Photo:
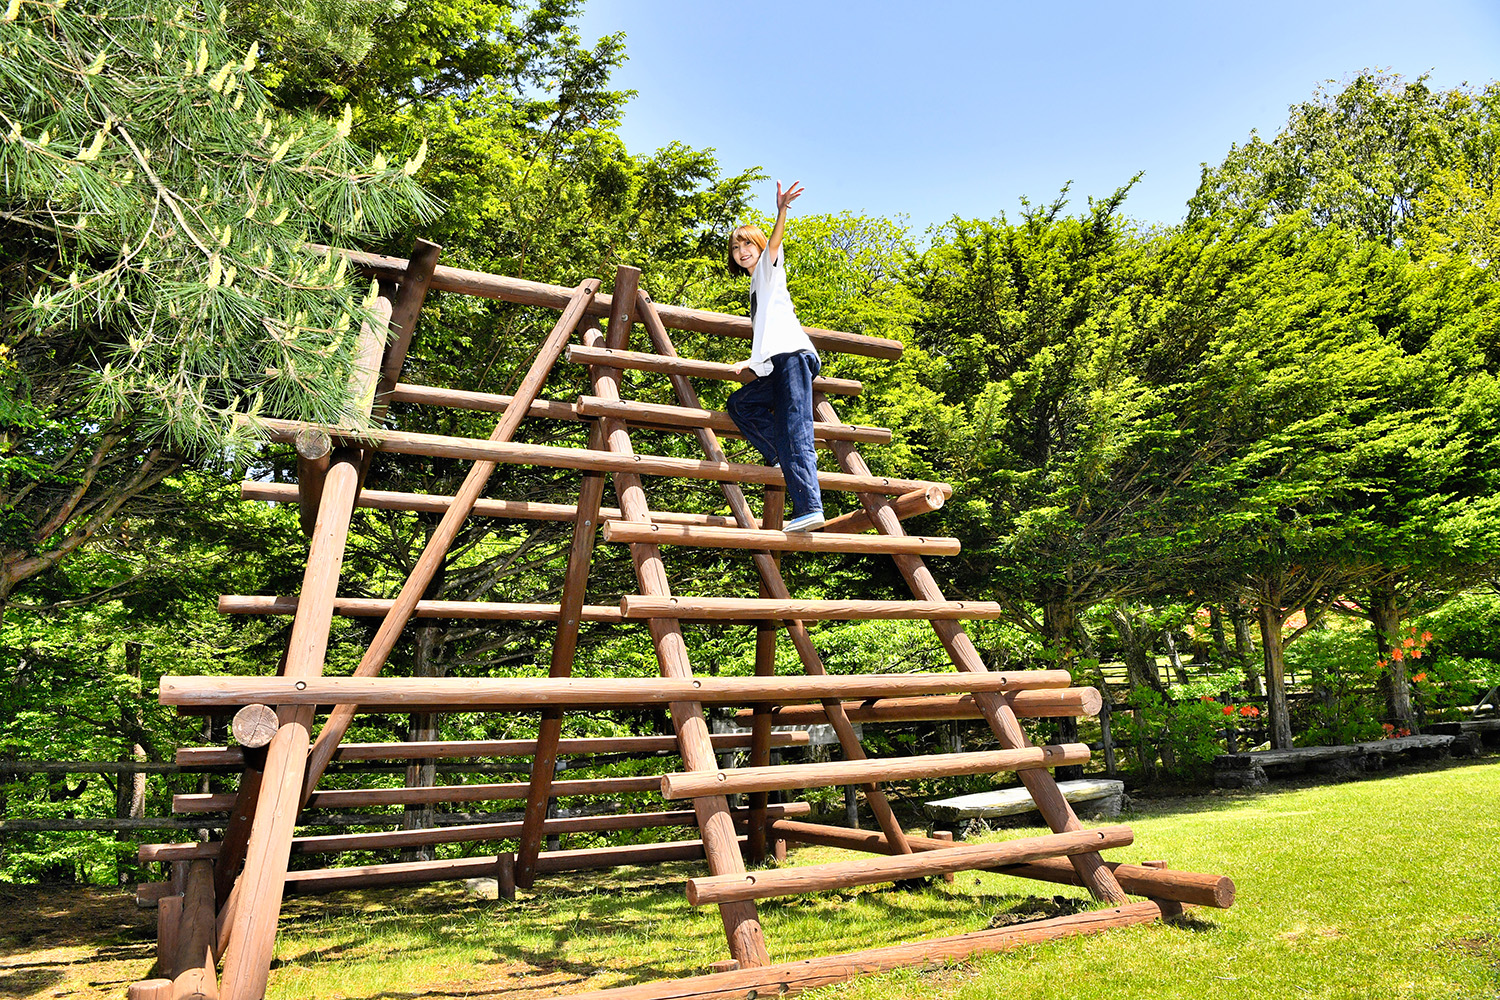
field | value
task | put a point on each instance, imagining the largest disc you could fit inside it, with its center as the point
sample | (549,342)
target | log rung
(470,834)
(583,459)
(644,606)
(692,418)
(642,361)
(778,541)
(869,871)
(418,750)
(411,694)
(822,774)
(348,798)
(1082,702)
(369,607)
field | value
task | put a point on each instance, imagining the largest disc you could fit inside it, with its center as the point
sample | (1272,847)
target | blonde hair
(751,233)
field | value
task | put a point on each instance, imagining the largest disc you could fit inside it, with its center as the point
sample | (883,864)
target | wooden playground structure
(223,898)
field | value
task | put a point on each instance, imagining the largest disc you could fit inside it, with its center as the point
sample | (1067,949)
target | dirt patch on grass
(82,942)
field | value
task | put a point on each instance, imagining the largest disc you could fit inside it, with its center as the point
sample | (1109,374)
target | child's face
(746,253)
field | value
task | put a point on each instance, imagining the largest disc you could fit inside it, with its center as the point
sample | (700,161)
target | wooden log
(348,798)
(168,931)
(564,646)
(769,571)
(742,929)
(777,541)
(473,832)
(590,745)
(693,417)
(548,863)
(197,959)
(415,281)
(536,293)
(788,978)
(823,774)
(947,837)
(521,510)
(642,361)
(254,725)
(956,643)
(582,459)
(774,509)
(482,402)
(410,693)
(904,506)
(367,607)
(1041,704)
(1194,888)
(749,609)
(438,543)
(149,989)
(505,877)
(869,871)
(313,449)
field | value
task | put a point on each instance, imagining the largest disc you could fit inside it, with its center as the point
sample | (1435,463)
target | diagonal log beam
(997,711)
(771,579)
(442,537)
(747,944)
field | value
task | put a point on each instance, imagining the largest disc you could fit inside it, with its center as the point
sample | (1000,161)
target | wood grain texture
(749,608)
(777,541)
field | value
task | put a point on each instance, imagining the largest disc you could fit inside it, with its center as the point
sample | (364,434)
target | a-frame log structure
(222,902)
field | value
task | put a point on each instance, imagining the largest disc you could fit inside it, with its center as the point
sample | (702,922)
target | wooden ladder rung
(869,871)
(752,608)
(780,541)
(423,749)
(822,774)
(371,607)
(348,798)
(1083,702)
(643,361)
(691,418)
(582,459)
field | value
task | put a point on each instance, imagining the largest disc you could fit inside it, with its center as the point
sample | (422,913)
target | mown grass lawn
(1386,887)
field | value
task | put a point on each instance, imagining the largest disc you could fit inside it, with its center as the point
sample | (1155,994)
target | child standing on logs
(775,410)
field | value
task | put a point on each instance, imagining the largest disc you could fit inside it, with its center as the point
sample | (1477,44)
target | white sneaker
(807,522)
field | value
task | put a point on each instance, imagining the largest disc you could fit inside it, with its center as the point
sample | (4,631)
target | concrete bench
(1254,769)
(1092,798)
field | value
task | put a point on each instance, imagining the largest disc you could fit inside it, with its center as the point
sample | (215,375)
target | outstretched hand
(785,198)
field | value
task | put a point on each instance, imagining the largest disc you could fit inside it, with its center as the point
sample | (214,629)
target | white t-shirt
(777,330)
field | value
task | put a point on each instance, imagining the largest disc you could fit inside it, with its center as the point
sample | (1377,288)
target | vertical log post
(193,972)
(772,513)
(770,575)
(575,583)
(1049,800)
(721,847)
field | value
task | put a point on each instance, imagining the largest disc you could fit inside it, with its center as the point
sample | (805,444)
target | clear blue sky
(947,107)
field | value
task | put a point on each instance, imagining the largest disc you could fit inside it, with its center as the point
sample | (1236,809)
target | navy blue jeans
(775,413)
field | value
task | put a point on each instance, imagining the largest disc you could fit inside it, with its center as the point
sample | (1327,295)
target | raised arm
(783,199)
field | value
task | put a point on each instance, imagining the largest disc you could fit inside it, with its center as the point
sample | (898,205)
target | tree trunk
(1385,619)
(1140,658)
(423,727)
(1243,648)
(1280,722)
(1216,629)
(1174,658)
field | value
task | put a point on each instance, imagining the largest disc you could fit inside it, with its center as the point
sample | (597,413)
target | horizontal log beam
(822,774)
(536,293)
(689,417)
(785,979)
(1050,704)
(639,532)
(906,505)
(408,693)
(348,798)
(482,402)
(646,362)
(586,459)
(711,889)
(1194,888)
(472,833)
(548,862)
(419,750)
(638,606)
(372,607)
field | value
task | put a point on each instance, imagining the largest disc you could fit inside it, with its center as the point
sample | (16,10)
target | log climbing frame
(224,898)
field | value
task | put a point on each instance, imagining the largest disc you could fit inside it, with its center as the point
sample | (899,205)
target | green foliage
(1341,664)
(1186,733)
